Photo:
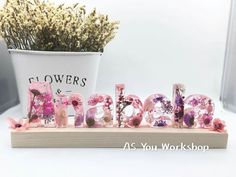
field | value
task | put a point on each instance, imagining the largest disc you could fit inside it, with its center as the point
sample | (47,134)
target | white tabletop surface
(116,162)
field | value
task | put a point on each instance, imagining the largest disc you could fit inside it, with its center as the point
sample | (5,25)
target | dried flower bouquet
(41,25)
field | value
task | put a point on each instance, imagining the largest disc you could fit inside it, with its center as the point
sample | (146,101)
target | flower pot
(66,71)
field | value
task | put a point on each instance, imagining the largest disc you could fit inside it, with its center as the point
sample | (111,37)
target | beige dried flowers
(40,25)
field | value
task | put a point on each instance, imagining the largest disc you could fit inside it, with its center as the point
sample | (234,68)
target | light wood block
(114,137)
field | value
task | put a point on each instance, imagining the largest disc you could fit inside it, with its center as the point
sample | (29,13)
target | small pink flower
(218,125)
(18,125)
(135,121)
(75,100)
(194,102)
(95,99)
(47,97)
(48,110)
(205,121)
(75,103)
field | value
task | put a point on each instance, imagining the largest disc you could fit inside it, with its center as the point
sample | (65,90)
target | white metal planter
(66,71)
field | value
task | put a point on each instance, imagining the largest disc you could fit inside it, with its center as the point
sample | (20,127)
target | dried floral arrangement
(41,25)
(157,110)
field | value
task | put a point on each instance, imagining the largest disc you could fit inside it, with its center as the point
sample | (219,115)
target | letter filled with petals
(178,105)
(129,111)
(99,113)
(157,110)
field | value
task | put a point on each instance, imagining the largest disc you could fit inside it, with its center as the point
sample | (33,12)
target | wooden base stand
(114,137)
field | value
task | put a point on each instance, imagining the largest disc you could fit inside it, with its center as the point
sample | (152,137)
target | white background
(164,41)
(159,42)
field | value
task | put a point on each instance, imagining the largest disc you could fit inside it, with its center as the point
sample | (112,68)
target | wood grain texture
(114,137)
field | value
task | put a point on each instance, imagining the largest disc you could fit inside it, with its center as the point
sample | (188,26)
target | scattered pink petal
(218,125)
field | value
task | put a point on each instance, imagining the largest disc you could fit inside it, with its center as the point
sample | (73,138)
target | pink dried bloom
(205,121)
(75,100)
(18,125)
(95,99)
(48,109)
(135,121)
(218,125)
